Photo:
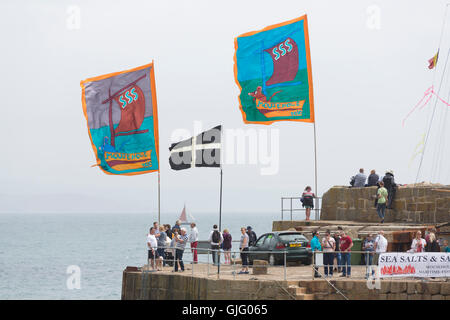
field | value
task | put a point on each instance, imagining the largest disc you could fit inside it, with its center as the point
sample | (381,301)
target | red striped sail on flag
(433,61)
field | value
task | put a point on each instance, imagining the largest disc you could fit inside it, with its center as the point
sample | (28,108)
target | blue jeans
(381,209)
(179,258)
(339,260)
(328,258)
(369,260)
(346,263)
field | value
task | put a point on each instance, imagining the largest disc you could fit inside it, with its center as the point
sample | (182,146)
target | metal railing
(362,269)
(292,208)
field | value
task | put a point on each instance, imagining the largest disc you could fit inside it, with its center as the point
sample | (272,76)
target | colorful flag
(273,71)
(202,150)
(122,119)
(433,61)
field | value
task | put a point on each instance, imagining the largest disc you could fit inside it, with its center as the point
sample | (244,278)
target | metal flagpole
(220,203)
(315,167)
(159,198)
(220,221)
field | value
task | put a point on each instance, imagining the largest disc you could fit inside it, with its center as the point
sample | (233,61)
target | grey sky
(365,82)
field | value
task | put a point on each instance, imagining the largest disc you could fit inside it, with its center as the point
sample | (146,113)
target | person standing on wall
(382,195)
(162,238)
(307,200)
(243,248)
(315,246)
(226,245)
(193,240)
(369,248)
(215,239)
(418,244)
(251,236)
(328,245)
(391,187)
(152,244)
(337,254)
(346,244)
(179,249)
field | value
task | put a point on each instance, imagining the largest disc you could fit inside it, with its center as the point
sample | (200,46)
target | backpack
(216,236)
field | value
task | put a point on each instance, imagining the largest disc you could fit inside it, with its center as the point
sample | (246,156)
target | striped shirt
(182,245)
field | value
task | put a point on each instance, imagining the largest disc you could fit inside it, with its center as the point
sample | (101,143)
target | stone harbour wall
(138,285)
(420,204)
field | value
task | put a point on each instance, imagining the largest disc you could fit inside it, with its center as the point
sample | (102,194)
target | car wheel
(272,260)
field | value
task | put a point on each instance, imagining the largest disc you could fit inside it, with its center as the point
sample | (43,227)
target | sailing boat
(131,100)
(183,217)
(285,62)
(285,59)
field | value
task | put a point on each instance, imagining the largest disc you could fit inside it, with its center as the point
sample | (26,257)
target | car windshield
(291,237)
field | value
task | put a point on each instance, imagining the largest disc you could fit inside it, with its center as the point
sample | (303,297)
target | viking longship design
(131,101)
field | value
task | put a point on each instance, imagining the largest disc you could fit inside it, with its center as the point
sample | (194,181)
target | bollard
(207,270)
(313,263)
(233,267)
(284,265)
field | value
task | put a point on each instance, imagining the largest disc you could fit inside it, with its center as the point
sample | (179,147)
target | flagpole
(315,166)
(220,207)
(159,198)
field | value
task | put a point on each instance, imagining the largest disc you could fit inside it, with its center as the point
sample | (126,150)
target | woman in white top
(418,244)
(328,247)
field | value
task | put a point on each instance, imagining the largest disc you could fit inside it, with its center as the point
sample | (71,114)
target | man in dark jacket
(373,179)
(251,236)
(391,186)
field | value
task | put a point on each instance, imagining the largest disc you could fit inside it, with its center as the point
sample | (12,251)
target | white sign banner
(420,265)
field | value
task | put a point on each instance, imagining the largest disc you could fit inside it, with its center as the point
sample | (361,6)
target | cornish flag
(200,151)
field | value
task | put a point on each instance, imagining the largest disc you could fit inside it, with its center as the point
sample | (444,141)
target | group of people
(337,248)
(385,192)
(160,238)
(428,244)
(165,243)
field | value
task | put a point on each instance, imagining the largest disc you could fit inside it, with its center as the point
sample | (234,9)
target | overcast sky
(369,65)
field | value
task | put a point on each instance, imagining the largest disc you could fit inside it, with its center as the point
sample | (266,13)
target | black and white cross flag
(202,150)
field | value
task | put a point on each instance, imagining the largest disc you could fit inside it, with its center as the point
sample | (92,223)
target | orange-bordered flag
(122,119)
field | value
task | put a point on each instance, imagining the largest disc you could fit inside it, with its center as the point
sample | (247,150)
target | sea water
(40,252)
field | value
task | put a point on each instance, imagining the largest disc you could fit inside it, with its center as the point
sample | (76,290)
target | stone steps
(300,293)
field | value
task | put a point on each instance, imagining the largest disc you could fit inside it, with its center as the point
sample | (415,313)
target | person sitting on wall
(372,181)
(360,179)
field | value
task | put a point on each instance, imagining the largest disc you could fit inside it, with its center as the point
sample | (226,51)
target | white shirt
(416,244)
(382,243)
(193,236)
(210,238)
(152,240)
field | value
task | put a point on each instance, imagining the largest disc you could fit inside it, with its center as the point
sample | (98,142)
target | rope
(434,77)
(432,116)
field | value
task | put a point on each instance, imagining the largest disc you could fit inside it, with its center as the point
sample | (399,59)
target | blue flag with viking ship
(122,119)
(273,71)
